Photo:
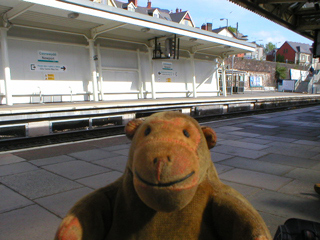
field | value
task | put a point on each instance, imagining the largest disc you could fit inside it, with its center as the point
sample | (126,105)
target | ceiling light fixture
(73,15)
(145,29)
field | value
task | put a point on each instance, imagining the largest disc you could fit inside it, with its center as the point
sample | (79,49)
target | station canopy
(83,19)
(300,16)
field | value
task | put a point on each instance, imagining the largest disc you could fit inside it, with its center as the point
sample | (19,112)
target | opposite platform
(272,159)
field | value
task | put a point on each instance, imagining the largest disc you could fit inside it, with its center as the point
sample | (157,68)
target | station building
(79,50)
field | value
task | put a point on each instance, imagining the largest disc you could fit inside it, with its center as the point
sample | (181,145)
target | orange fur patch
(70,229)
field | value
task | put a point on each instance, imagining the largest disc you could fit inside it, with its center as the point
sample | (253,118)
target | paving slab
(242,152)
(32,222)
(222,168)
(290,145)
(61,203)
(294,152)
(286,206)
(124,152)
(20,167)
(118,163)
(243,189)
(240,144)
(305,142)
(245,134)
(8,158)
(227,136)
(272,221)
(216,157)
(301,189)
(10,200)
(255,140)
(116,147)
(277,139)
(92,155)
(76,169)
(289,160)
(259,166)
(52,160)
(305,175)
(255,179)
(39,183)
(100,180)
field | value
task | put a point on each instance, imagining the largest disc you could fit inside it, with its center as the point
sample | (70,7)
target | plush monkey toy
(169,190)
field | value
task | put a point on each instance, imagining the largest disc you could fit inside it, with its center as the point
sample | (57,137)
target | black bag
(298,229)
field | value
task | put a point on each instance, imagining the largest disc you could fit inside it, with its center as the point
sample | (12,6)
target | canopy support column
(6,65)
(153,92)
(223,78)
(93,70)
(100,72)
(193,73)
(140,84)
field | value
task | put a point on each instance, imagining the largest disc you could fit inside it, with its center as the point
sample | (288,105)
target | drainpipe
(6,65)
(93,70)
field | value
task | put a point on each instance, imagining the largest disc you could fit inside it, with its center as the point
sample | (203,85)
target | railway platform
(273,159)
(34,120)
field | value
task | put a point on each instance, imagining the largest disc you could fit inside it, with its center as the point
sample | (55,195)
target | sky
(257,28)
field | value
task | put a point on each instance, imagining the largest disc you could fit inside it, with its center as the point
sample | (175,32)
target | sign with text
(45,56)
(48,68)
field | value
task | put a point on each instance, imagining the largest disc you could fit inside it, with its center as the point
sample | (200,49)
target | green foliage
(232,29)
(269,47)
(280,58)
(281,72)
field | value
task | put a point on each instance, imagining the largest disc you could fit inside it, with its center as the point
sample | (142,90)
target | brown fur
(170,190)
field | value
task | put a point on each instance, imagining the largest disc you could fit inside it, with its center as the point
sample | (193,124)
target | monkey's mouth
(164,184)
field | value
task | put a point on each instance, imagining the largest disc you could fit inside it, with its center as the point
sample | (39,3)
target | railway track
(80,135)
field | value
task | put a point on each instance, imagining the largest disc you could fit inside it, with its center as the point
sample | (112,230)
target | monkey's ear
(210,135)
(132,127)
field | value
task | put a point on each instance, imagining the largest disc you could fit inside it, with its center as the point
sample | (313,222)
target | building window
(303,58)
(156,15)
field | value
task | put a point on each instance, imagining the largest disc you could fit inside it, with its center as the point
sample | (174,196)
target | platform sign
(255,81)
(46,56)
(47,67)
(166,72)
(49,76)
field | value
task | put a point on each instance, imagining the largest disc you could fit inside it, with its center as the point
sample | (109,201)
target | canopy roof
(300,16)
(94,20)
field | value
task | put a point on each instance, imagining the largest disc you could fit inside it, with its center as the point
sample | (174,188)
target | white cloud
(274,37)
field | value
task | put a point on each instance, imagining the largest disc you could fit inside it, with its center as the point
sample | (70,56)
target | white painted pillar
(140,85)
(100,72)
(193,73)
(93,70)
(6,65)
(153,91)
(223,77)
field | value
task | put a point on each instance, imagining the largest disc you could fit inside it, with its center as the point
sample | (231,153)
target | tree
(232,29)
(281,72)
(269,47)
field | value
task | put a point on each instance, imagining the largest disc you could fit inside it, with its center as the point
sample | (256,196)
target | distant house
(179,16)
(298,53)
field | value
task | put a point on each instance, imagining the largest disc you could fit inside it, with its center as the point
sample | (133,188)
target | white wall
(77,77)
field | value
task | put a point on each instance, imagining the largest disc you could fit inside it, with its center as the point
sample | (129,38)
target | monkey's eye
(147,131)
(186,133)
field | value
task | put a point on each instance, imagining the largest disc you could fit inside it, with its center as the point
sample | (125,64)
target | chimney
(149,4)
(177,10)
(135,2)
(204,27)
(180,10)
(209,27)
